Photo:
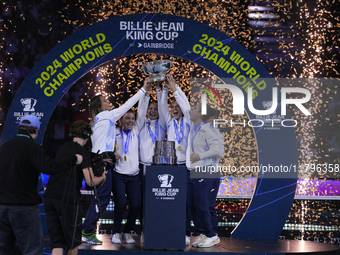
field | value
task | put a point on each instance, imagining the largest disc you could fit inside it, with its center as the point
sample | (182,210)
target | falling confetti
(292,39)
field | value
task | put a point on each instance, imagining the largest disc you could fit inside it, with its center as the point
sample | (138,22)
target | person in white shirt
(202,154)
(125,179)
(177,120)
(209,118)
(103,140)
(152,130)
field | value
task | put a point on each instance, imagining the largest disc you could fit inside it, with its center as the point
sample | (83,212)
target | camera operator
(62,195)
(22,161)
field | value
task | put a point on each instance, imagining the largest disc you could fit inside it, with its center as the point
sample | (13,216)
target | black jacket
(21,162)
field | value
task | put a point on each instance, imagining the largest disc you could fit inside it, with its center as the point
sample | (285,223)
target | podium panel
(165,207)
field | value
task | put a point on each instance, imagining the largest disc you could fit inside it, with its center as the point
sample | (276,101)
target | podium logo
(166,191)
(267,105)
(165,180)
(28,104)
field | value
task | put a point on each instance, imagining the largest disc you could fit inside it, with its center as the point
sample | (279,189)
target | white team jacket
(206,144)
(146,144)
(103,126)
(169,122)
(220,138)
(128,163)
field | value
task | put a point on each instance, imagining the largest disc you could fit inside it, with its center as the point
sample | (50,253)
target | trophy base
(164,160)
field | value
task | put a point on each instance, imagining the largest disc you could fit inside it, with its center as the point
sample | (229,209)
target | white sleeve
(182,94)
(220,138)
(182,101)
(159,94)
(188,152)
(161,117)
(164,108)
(141,111)
(116,114)
(213,144)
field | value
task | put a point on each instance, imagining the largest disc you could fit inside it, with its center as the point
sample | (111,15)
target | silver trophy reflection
(157,69)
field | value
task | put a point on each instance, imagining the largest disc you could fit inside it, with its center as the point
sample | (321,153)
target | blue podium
(165,207)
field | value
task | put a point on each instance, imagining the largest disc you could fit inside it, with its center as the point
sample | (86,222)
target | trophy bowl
(157,69)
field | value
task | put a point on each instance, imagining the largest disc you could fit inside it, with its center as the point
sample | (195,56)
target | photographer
(22,161)
(62,195)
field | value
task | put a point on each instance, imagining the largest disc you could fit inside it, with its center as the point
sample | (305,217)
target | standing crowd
(123,151)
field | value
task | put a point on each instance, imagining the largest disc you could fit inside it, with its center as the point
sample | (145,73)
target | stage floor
(227,246)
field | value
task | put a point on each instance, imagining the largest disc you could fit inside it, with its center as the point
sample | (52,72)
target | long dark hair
(95,106)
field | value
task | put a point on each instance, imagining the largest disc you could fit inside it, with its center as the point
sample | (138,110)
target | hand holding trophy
(148,86)
(170,82)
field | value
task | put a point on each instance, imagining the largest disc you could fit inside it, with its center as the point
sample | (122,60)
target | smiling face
(128,120)
(152,112)
(176,111)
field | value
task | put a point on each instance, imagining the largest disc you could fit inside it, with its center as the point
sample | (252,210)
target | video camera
(99,164)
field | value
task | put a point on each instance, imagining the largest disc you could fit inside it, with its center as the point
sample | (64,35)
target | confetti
(308,36)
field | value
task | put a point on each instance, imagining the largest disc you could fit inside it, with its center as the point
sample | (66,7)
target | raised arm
(180,97)
(160,96)
(164,107)
(116,114)
(182,101)
(184,97)
(143,107)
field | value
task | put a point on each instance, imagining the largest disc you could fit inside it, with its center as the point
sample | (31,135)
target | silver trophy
(164,153)
(157,69)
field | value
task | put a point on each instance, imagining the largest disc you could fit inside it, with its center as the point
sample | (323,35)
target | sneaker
(142,238)
(128,238)
(90,238)
(199,239)
(209,241)
(187,240)
(115,238)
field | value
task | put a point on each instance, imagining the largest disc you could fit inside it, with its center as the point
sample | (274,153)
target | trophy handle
(171,179)
(140,65)
(172,61)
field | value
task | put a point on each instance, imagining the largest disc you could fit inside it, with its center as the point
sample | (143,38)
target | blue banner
(185,38)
